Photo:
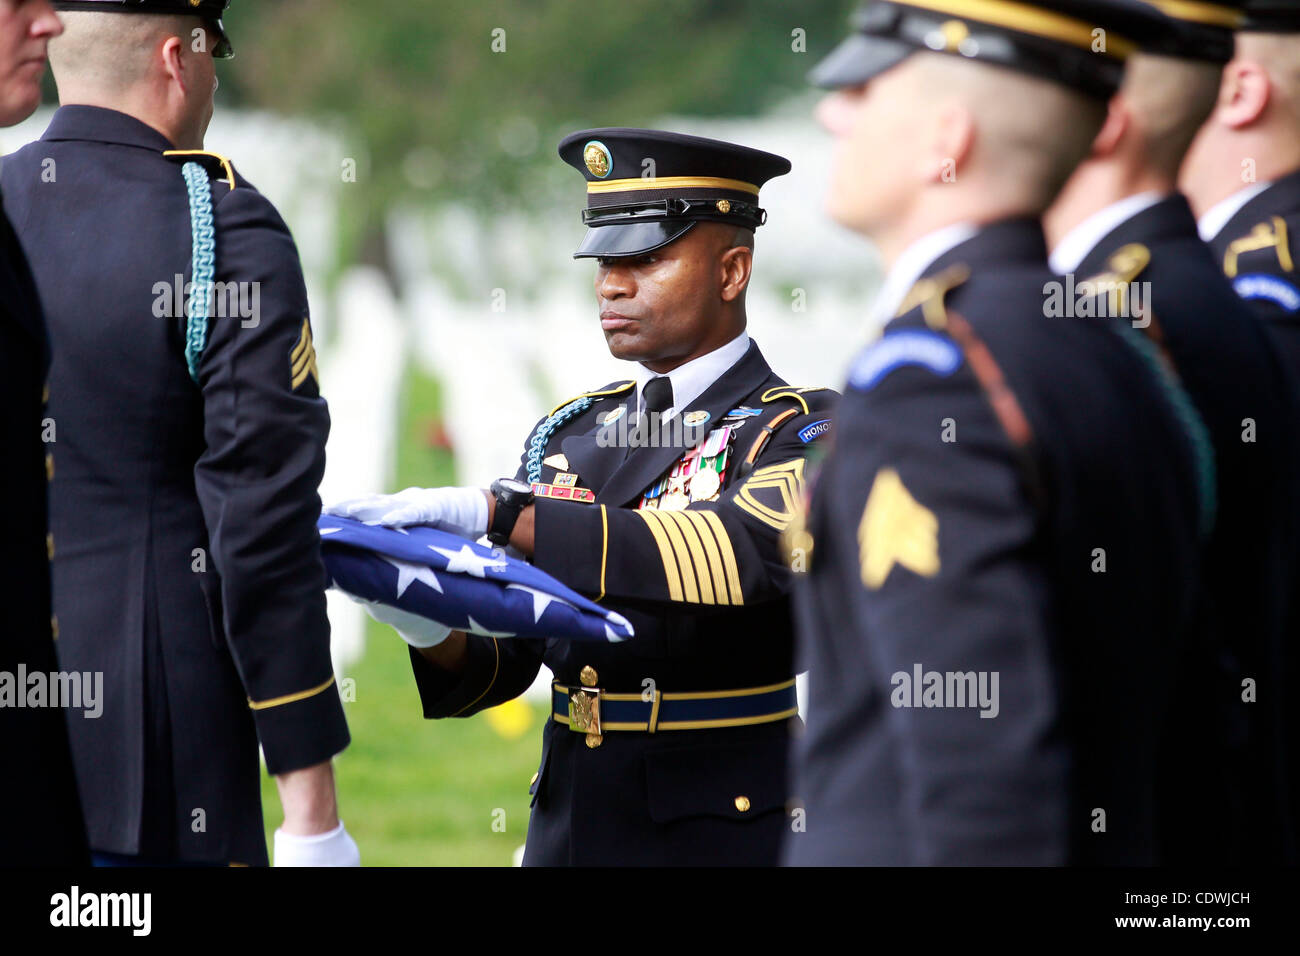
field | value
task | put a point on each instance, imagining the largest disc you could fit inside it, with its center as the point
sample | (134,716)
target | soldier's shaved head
(1169,98)
(1150,125)
(1030,132)
(155,67)
(1253,132)
(939,139)
(112,51)
(1279,55)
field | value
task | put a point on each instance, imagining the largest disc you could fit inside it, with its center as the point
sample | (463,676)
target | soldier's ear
(1118,119)
(1243,94)
(736,265)
(171,53)
(949,144)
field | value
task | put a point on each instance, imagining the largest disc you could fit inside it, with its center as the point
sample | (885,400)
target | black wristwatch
(512,497)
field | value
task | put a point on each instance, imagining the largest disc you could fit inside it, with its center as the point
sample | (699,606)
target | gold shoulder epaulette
(1265,235)
(616,389)
(929,294)
(214,162)
(1125,265)
(786,391)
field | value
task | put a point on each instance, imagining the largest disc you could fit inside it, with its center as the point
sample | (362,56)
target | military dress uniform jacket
(187,566)
(1225,753)
(706,590)
(40,815)
(1257,250)
(1008,495)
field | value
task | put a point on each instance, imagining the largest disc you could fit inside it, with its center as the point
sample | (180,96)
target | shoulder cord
(1193,425)
(1006,407)
(745,467)
(537,446)
(204,246)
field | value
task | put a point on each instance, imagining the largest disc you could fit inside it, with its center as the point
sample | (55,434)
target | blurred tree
(464,98)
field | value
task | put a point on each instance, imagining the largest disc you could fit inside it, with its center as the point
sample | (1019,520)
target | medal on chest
(698,476)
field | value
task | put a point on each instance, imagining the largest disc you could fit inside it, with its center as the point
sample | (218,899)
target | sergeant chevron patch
(699,561)
(772,493)
(302,358)
(896,529)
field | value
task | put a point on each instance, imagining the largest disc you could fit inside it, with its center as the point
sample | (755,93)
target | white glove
(462,510)
(415,630)
(336,848)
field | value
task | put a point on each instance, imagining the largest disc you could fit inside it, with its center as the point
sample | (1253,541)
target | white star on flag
(465,561)
(541,600)
(325,531)
(407,572)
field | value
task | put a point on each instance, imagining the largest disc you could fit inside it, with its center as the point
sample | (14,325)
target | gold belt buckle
(584,710)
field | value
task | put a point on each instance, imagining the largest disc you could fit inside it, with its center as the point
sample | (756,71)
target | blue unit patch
(909,347)
(815,430)
(1261,285)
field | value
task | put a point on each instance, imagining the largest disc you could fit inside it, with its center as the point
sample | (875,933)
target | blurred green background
(467,99)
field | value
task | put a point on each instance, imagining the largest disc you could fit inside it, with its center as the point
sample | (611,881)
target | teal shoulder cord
(537,447)
(204,245)
(1190,418)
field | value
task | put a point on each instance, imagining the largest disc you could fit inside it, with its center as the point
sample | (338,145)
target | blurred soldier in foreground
(40,817)
(1242,173)
(189,449)
(664,498)
(1119,222)
(1005,533)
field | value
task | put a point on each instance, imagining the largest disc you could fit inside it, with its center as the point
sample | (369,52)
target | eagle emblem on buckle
(584,711)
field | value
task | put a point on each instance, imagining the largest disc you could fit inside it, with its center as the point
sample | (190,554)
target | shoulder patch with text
(1261,285)
(936,352)
(814,431)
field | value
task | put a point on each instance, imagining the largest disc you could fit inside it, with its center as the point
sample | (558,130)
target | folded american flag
(444,577)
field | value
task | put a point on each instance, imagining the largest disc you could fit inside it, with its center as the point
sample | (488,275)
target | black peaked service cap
(209,10)
(1081,44)
(646,187)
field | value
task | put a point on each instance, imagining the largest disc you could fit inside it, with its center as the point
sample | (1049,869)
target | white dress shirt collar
(1083,238)
(691,379)
(1217,216)
(909,267)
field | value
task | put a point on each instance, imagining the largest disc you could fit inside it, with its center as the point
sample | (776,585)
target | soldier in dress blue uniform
(1242,174)
(1005,534)
(40,815)
(669,748)
(190,442)
(1120,223)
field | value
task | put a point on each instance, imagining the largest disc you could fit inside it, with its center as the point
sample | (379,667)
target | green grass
(418,792)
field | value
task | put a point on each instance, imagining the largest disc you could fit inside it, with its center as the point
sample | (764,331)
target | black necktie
(658,396)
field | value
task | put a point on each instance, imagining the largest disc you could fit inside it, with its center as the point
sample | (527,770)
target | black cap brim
(857,60)
(224,49)
(631,238)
